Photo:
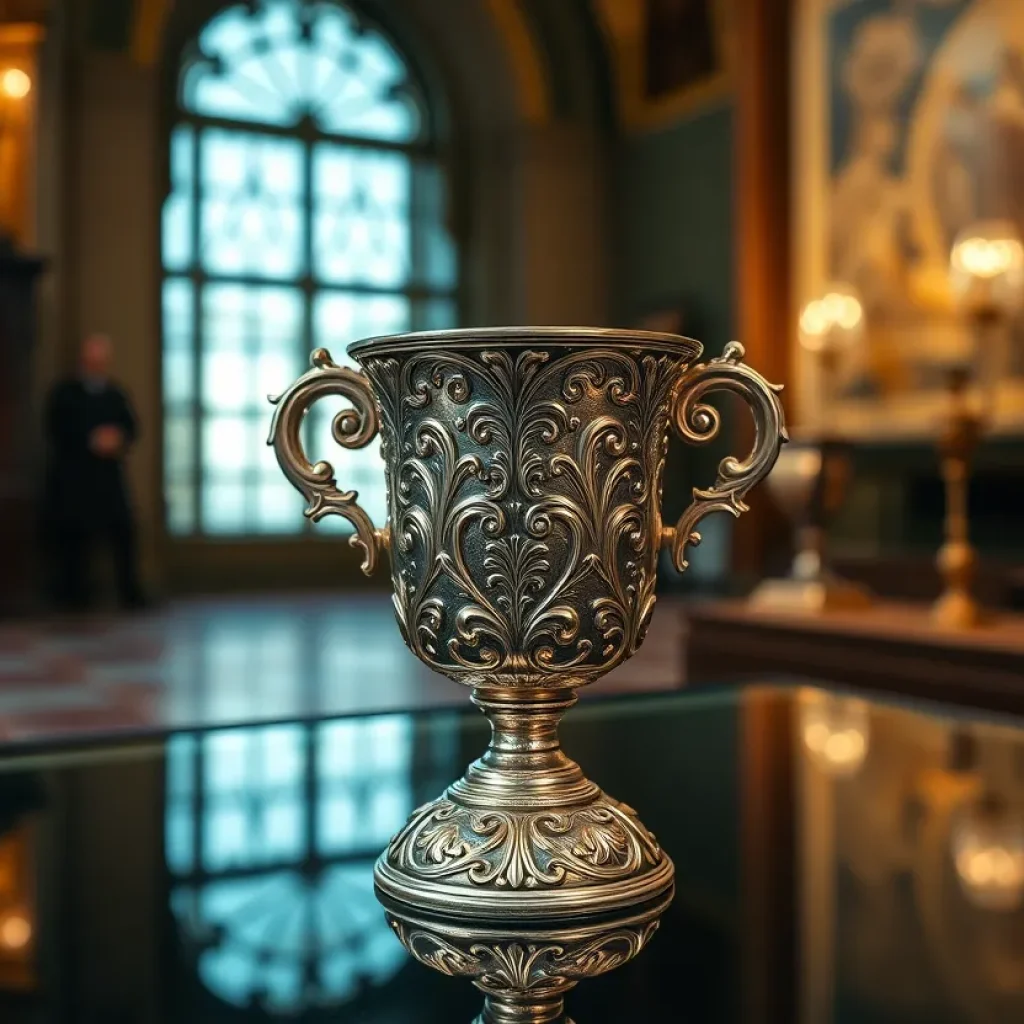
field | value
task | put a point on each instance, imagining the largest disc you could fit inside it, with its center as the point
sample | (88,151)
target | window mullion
(198,476)
(426,149)
(249,345)
(307,338)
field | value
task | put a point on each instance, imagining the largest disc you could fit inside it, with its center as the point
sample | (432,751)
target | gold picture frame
(892,102)
(691,68)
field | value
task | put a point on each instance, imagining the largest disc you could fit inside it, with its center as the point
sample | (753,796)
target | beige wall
(534,232)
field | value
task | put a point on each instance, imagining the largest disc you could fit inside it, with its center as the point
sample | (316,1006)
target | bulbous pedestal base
(525,969)
(519,864)
(523,835)
(524,875)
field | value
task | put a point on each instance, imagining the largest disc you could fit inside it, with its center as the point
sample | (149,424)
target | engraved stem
(524,734)
(526,1009)
(524,765)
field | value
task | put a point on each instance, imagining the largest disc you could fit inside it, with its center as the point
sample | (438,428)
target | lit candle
(986,270)
(836,731)
(829,326)
(832,322)
(988,850)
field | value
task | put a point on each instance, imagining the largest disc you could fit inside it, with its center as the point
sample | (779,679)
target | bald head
(96,355)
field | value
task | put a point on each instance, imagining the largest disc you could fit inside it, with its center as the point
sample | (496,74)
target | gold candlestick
(956,608)
(987,286)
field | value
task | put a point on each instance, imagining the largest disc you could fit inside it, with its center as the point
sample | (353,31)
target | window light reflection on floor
(271,835)
(282,662)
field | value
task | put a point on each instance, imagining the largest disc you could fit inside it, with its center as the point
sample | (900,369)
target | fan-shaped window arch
(307,208)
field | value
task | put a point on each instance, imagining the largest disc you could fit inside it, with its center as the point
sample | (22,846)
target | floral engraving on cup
(524,506)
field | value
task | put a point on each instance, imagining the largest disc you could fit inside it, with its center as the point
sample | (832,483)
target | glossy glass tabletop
(838,861)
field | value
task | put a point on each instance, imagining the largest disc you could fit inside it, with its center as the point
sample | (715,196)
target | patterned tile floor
(232,661)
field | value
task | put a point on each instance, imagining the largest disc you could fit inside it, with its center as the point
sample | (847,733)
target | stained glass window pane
(258,65)
(361,216)
(436,314)
(370,98)
(434,258)
(340,318)
(179,351)
(177,213)
(252,345)
(179,389)
(223,506)
(180,837)
(251,203)
(178,443)
(224,440)
(278,507)
(180,497)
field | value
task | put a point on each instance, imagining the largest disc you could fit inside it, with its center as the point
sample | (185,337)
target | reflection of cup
(524,470)
(809,483)
(836,732)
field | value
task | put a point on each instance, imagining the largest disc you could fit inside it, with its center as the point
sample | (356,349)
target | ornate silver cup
(524,470)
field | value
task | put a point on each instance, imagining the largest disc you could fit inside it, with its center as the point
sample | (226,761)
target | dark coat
(83,489)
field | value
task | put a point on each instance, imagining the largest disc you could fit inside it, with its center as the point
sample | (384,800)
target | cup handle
(352,428)
(698,423)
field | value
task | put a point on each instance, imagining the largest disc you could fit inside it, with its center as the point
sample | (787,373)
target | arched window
(307,208)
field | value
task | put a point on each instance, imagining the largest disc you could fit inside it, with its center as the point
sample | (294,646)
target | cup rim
(516,337)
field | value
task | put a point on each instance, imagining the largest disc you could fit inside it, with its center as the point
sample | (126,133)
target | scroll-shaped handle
(351,428)
(698,422)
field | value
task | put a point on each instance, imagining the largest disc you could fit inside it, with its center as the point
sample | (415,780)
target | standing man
(90,427)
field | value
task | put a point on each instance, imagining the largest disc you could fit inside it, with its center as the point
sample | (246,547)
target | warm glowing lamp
(988,850)
(836,732)
(829,326)
(15,931)
(986,270)
(15,84)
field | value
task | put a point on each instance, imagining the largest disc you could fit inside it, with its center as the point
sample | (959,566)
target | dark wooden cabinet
(890,647)
(19,581)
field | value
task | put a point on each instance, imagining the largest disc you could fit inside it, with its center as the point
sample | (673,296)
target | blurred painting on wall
(909,126)
(681,45)
(670,57)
